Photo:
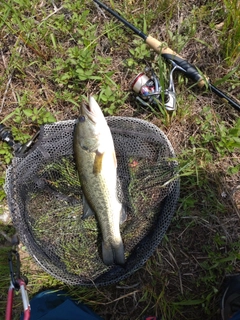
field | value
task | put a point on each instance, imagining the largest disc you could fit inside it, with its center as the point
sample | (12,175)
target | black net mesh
(45,201)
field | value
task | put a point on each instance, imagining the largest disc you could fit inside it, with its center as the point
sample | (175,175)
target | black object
(6,136)
(230,305)
(18,148)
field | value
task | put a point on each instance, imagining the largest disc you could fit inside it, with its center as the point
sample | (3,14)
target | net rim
(103,279)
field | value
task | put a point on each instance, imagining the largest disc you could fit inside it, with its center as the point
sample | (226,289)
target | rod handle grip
(190,71)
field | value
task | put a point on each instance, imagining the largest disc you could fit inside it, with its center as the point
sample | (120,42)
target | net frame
(21,173)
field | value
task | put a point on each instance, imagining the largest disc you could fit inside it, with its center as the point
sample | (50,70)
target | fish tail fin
(113,253)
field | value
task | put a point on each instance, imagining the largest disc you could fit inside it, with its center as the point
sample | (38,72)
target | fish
(97,169)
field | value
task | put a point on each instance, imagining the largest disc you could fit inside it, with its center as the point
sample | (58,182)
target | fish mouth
(91,110)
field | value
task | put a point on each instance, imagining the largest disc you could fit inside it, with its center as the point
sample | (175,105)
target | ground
(54,54)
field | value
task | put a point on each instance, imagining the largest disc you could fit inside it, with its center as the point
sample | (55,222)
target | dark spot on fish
(81,119)
(84,147)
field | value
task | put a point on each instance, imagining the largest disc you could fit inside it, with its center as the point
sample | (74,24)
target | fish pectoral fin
(123,215)
(97,165)
(87,211)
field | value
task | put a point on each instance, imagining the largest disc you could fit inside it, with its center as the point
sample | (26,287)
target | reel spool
(146,88)
(45,200)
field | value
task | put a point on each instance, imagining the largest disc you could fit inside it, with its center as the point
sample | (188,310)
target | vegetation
(54,54)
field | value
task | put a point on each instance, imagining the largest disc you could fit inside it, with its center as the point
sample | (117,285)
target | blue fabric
(49,305)
(236,316)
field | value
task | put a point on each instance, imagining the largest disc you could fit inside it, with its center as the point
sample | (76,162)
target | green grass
(52,58)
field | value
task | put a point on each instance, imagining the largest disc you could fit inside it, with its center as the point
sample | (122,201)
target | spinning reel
(149,91)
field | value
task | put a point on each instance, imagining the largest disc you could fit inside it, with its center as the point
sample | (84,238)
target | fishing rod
(174,58)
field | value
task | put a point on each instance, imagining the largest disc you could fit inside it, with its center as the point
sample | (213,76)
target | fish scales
(100,191)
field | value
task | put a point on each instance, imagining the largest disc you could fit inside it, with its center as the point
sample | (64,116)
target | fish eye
(81,119)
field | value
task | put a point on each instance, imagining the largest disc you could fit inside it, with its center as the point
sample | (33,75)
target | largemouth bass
(96,164)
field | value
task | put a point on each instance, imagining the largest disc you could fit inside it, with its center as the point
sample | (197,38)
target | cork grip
(169,54)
